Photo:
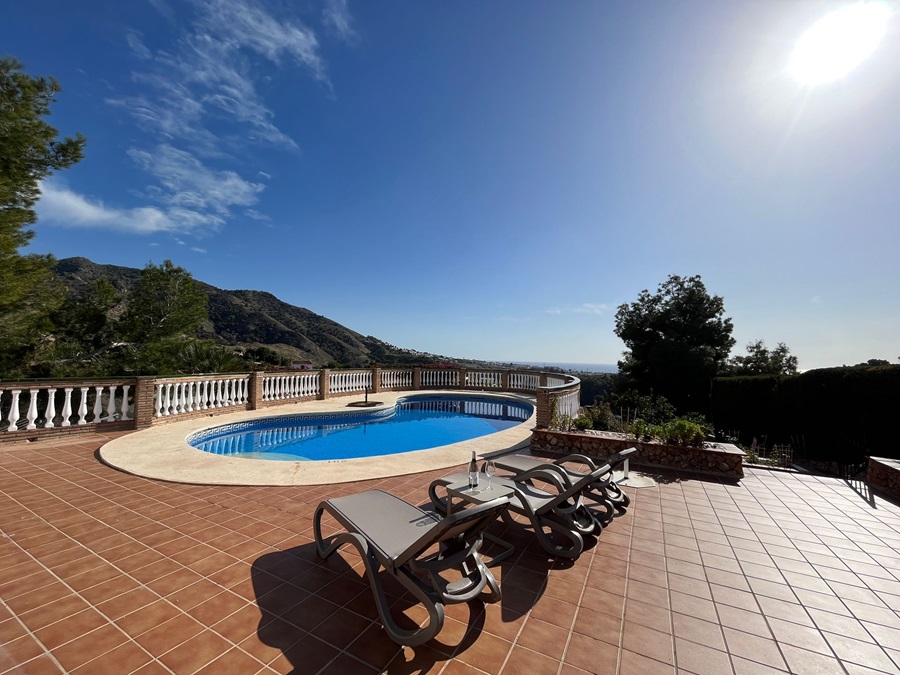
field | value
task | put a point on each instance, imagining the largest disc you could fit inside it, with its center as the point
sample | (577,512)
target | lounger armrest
(550,473)
(578,459)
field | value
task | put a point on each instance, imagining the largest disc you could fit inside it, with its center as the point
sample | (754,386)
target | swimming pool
(414,423)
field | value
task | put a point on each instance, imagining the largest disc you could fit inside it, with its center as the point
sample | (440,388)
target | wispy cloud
(197,249)
(198,99)
(584,308)
(253,214)
(336,16)
(138,48)
(68,208)
(187,184)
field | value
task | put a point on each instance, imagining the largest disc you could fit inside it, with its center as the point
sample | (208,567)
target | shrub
(581,423)
(683,432)
(601,417)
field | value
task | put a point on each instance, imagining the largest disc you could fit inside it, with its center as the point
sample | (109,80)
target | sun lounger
(558,508)
(392,534)
(603,492)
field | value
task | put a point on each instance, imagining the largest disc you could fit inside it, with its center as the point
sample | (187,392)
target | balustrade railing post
(462,378)
(254,390)
(324,382)
(417,378)
(504,380)
(376,380)
(542,381)
(543,412)
(144,413)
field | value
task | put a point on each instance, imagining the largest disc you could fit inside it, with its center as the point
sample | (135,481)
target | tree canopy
(677,339)
(29,152)
(168,303)
(762,361)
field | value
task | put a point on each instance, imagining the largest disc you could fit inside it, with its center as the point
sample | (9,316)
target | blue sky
(482,179)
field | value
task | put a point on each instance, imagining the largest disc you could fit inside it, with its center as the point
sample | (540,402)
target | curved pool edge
(162,452)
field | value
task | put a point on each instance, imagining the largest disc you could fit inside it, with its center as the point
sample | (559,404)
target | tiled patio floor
(103,572)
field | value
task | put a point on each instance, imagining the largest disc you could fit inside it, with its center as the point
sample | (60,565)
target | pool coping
(162,453)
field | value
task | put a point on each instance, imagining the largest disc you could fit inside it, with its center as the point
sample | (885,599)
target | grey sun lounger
(560,511)
(393,534)
(603,492)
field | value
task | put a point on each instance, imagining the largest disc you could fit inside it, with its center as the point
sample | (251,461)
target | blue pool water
(415,423)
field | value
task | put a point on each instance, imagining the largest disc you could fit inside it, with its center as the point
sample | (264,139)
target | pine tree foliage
(29,152)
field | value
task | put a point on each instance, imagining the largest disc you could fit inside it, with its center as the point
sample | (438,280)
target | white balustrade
(187,396)
(484,379)
(524,381)
(285,387)
(440,378)
(93,405)
(396,379)
(345,383)
(568,404)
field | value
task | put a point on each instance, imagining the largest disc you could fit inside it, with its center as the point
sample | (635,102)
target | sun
(838,42)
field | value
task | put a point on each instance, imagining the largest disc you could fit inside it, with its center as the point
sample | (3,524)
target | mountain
(257,318)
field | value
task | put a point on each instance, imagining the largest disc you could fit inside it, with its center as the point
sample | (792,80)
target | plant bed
(721,459)
(883,474)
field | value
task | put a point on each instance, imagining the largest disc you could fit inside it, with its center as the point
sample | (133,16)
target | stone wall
(723,459)
(884,474)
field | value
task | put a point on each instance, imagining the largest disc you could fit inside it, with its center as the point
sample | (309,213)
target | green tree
(677,339)
(29,152)
(762,361)
(168,303)
(83,336)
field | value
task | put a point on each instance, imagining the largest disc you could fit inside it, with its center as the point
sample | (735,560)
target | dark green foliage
(167,304)
(582,423)
(829,413)
(82,337)
(677,338)
(263,357)
(762,361)
(181,356)
(600,417)
(632,405)
(29,152)
(596,386)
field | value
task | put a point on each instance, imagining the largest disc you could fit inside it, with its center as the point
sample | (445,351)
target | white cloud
(253,214)
(197,249)
(584,308)
(192,188)
(336,16)
(64,207)
(138,48)
(199,99)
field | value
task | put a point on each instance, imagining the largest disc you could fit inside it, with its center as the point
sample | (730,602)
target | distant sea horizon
(577,367)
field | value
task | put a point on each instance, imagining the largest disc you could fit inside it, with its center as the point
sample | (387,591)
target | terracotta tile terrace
(105,572)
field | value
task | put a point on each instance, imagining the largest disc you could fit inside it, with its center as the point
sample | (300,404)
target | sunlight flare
(838,42)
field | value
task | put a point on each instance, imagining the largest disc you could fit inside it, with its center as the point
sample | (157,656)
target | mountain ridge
(252,318)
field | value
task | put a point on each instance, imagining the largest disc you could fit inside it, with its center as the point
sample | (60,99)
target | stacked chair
(603,493)
(559,508)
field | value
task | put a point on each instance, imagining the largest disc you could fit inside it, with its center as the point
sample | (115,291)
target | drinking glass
(489,470)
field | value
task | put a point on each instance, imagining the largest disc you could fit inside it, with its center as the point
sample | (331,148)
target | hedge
(837,413)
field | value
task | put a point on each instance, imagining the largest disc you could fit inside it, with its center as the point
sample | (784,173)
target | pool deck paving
(103,571)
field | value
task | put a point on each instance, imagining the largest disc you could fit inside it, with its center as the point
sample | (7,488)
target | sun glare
(838,42)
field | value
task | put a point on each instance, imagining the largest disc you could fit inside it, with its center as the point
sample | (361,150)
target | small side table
(480,495)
